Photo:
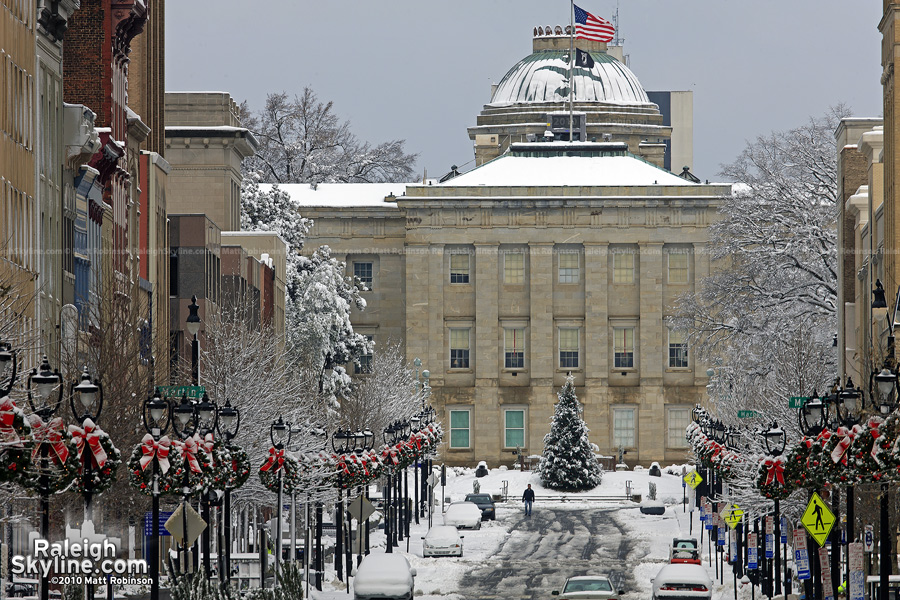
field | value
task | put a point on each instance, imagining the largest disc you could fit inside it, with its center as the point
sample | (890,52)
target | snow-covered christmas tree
(568,461)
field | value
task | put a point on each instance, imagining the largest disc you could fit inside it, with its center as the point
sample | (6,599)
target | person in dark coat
(528,499)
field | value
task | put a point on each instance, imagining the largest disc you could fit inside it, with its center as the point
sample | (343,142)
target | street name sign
(818,519)
(797,401)
(177,391)
(693,479)
(747,414)
(733,515)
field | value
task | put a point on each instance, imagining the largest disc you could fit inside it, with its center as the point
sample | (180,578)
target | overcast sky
(422,70)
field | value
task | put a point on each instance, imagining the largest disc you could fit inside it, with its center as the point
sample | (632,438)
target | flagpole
(571,61)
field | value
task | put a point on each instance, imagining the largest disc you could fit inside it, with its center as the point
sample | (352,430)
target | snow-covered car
(384,577)
(587,587)
(684,582)
(463,515)
(442,540)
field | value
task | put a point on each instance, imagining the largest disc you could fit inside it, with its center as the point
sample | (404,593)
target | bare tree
(302,140)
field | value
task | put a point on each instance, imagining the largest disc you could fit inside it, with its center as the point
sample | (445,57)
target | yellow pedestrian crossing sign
(818,519)
(733,515)
(693,479)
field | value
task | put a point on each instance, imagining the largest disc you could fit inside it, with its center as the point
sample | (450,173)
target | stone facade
(503,289)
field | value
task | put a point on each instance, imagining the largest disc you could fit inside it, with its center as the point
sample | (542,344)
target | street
(554,543)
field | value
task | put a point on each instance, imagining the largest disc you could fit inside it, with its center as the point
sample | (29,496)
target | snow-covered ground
(649,535)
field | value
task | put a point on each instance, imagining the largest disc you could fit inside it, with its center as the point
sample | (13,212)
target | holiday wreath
(170,471)
(62,465)
(15,440)
(105,457)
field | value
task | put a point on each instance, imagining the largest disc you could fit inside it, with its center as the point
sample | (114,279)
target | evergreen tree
(568,461)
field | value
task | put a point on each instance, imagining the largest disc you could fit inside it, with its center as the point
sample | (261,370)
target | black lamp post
(388,436)
(184,425)
(193,327)
(342,442)
(45,393)
(207,420)
(884,400)
(813,418)
(776,440)
(157,415)
(8,368)
(280,435)
(90,396)
(228,425)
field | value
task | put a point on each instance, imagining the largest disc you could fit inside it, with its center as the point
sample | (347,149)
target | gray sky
(421,70)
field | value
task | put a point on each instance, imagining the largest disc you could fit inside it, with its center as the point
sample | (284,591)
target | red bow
(417,439)
(189,450)
(775,470)
(90,434)
(151,448)
(823,437)
(839,453)
(207,446)
(8,435)
(343,465)
(49,433)
(392,454)
(276,457)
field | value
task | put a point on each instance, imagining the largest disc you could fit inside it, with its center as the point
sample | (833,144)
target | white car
(682,581)
(463,515)
(587,587)
(442,540)
(384,577)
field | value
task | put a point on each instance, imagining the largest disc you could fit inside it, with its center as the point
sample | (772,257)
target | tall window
(678,353)
(568,347)
(623,347)
(678,268)
(623,427)
(678,419)
(514,267)
(459,428)
(363,272)
(568,267)
(365,361)
(623,267)
(459,348)
(459,268)
(514,352)
(514,428)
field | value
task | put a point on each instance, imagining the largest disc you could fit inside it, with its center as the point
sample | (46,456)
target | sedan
(588,587)
(384,577)
(442,540)
(684,582)
(463,515)
(485,503)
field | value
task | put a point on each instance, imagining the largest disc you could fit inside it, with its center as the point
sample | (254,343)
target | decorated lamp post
(342,442)
(193,326)
(229,424)
(776,440)
(45,393)
(884,400)
(185,425)
(207,420)
(280,436)
(388,435)
(813,419)
(87,412)
(155,447)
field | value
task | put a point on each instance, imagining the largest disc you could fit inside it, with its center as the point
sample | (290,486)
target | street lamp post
(280,435)
(207,420)
(884,401)
(342,442)
(813,418)
(776,440)
(45,392)
(157,415)
(193,327)
(228,425)
(185,425)
(388,435)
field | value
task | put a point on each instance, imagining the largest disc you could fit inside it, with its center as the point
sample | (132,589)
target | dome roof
(542,77)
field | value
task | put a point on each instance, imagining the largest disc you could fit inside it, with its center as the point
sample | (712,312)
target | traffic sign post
(801,556)
(732,515)
(693,479)
(752,552)
(770,537)
(869,538)
(818,519)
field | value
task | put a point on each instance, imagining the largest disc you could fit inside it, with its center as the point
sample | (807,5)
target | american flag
(589,27)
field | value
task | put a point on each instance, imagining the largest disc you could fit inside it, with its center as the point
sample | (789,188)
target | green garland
(802,466)
(103,477)
(15,441)
(240,467)
(142,479)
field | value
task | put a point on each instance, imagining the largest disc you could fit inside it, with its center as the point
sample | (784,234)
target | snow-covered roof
(518,170)
(341,194)
(542,76)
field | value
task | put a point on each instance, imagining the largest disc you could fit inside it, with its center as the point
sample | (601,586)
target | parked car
(587,587)
(384,577)
(464,515)
(442,540)
(684,550)
(19,589)
(684,582)
(485,503)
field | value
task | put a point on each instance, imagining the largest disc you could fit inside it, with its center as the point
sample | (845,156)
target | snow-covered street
(529,557)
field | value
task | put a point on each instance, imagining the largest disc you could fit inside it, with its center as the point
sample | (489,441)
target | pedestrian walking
(528,499)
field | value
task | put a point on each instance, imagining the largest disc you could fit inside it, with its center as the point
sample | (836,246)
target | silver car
(587,587)
(442,540)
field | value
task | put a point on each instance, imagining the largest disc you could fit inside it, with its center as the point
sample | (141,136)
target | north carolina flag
(590,27)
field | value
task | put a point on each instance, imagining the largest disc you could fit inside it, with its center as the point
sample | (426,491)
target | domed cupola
(607,93)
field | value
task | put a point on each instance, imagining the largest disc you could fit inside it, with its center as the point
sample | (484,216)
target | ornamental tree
(568,461)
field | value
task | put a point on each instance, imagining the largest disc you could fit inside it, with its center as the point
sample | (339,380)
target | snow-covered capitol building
(549,258)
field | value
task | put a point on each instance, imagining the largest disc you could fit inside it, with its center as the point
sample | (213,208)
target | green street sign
(177,391)
(747,414)
(797,401)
